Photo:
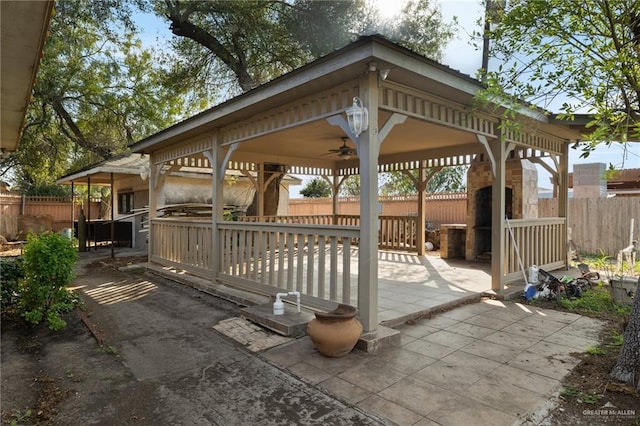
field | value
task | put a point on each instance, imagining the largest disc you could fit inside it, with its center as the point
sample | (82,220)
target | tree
(627,368)
(420,28)
(96,92)
(316,188)
(239,45)
(449,179)
(351,186)
(588,52)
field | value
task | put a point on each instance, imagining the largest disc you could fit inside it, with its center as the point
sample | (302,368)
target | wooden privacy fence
(598,223)
(439,208)
(19,214)
(594,224)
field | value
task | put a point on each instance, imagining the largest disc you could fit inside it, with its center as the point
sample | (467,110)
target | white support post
(153,204)
(421,186)
(260,190)
(499,153)
(563,200)
(218,162)
(368,151)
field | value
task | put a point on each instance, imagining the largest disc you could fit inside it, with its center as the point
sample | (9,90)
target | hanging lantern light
(358,117)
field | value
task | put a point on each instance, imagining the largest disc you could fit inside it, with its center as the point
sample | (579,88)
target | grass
(570,393)
(18,417)
(107,350)
(597,300)
(596,350)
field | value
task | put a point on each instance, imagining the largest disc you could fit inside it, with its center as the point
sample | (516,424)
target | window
(125,202)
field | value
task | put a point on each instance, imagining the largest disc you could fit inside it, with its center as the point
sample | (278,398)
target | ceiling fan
(344,152)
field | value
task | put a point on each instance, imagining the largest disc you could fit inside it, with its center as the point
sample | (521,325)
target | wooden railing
(315,219)
(395,232)
(314,260)
(539,242)
(398,233)
(184,244)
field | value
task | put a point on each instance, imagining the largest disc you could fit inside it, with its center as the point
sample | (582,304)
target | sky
(460,55)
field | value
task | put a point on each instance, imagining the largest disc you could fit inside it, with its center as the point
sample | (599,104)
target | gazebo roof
(284,120)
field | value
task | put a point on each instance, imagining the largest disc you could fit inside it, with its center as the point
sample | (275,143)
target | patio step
(291,324)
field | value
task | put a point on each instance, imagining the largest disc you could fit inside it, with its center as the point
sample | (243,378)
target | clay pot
(335,333)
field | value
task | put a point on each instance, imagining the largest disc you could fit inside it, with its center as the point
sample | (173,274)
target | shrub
(11,273)
(48,264)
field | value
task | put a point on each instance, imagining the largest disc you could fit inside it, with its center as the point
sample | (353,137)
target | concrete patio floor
(488,363)
(409,285)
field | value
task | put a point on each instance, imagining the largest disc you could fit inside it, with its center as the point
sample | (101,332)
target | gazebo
(421,117)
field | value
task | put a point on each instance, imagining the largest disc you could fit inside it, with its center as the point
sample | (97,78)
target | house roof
(23,31)
(127,165)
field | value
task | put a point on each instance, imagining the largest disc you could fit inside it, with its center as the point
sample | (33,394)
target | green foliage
(420,28)
(19,417)
(316,188)
(45,189)
(224,47)
(597,300)
(615,341)
(11,272)
(49,259)
(107,350)
(449,179)
(351,186)
(596,350)
(590,398)
(589,54)
(97,90)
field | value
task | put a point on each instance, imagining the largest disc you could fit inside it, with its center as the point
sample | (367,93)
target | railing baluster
(333,272)
(291,249)
(300,268)
(321,266)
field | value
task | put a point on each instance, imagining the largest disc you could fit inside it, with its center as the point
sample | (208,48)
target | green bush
(48,264)
(11,273)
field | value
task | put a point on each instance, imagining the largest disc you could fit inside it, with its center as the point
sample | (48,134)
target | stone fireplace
(521,202)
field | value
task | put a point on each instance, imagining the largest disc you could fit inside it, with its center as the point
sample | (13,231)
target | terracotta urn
(336,332)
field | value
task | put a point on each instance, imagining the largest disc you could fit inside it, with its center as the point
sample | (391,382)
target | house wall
(180,189)
(140,191)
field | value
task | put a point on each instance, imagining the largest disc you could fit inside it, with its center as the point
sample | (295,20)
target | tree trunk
(627,369)
(271,192)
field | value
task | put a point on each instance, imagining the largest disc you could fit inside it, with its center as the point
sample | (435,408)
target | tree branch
(78,136)
(182,27)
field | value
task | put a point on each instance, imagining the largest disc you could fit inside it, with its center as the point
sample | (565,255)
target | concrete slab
(450,339)
(254,337)
(507,397)
(526,380)
(380,338)
(451,369)
(417,395)
(291,324)
(371,379)
(398,414)
(465,411)
(344,390)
